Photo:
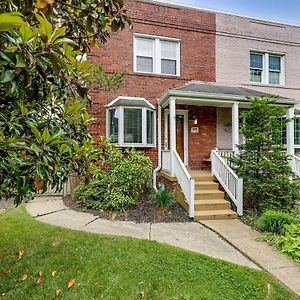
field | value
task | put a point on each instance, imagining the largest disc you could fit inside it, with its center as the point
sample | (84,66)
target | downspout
(158,148)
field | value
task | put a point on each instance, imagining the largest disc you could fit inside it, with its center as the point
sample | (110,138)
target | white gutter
(158,148)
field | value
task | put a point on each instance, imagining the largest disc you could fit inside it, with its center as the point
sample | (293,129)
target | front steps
(209,200)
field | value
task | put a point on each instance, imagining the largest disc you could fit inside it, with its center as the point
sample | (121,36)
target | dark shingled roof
(224,90)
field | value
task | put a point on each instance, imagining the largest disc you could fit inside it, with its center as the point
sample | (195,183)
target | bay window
(131,122)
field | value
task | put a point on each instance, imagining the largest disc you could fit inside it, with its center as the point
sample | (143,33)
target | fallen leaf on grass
(40,280)
(21,253)
(53,274)
(2,254)
(71,282)
(57,292)
(5,272)
(142,293)
(24,277)
(41,273)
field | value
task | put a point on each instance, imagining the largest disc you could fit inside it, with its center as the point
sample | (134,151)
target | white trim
(157,54)
(185,114)
(290,134)
(130,98)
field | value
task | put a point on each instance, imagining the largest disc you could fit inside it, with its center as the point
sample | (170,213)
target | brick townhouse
(188,73)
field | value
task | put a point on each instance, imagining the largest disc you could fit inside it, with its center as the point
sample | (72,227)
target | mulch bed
(6,203)
(144,212)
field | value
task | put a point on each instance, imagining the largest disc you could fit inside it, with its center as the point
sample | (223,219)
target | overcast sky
(278,10)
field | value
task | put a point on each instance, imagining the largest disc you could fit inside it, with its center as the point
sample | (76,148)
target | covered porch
(198,129)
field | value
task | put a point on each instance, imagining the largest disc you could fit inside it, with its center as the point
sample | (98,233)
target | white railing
(226,155)
(231,183)
(186,182)
(166,160)
(295,164)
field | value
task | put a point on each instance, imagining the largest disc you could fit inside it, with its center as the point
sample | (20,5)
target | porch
(198,130)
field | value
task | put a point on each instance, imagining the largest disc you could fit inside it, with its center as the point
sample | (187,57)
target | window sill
(155,75)
(266,84)
(134,146)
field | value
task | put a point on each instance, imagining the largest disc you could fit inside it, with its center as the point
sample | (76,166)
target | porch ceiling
(210,94)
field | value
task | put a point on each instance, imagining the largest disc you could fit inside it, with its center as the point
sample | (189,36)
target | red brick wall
(196,31)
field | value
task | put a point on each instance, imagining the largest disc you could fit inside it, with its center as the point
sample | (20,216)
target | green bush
(118,182)
(289,243)
(274,221)
(162,199)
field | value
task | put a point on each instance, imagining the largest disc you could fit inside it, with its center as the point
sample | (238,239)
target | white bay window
(156,55)
(131,122)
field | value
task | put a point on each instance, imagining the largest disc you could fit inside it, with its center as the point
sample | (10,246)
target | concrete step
(215,215)
(206,185)
(214,204)
(209,194)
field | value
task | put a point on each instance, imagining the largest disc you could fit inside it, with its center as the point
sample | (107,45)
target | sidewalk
(230,240)
(244,238)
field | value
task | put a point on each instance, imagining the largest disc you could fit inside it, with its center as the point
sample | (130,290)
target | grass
(107,267)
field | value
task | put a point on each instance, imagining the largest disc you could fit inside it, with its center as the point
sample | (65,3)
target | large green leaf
(7,76)
(9,21)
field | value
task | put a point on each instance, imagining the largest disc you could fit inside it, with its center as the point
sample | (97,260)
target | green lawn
(107,267)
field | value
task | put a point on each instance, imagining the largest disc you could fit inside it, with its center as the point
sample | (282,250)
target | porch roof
(195,90)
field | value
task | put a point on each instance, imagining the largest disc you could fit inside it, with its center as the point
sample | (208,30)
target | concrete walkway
(191,236)
(244,238)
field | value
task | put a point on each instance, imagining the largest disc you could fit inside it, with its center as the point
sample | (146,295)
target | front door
(180,136)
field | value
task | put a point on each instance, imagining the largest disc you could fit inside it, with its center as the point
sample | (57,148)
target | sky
(287,11)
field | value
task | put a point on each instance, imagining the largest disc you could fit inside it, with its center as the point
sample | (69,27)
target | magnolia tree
(263,161)
(44,89)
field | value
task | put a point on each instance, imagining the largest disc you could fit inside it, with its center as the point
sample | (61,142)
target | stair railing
(232,184)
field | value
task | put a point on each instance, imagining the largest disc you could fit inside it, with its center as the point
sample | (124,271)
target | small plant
(289,243)
(162,199)
(275,221)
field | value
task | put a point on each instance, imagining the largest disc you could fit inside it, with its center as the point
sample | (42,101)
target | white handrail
(231,183)
(295,164)
(186,182)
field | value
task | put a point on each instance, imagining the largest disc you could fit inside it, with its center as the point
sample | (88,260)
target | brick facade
(196,31)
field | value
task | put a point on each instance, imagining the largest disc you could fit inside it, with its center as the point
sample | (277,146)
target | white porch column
(290,131)
(172,124)
(235,127)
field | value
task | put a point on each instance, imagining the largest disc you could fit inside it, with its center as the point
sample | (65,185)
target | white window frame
(266,70)
(120,108)
(156,54)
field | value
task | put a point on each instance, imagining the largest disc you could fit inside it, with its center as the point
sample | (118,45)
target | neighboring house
(188,73)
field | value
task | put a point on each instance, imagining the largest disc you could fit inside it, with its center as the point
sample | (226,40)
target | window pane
(144,64)
(274,63)
(255,75)
(168,49)
(113,125)
(283,131)
(133,125)
(144,47)
(297,130)
(256,61)
(150,127)
(274,77)
(168,67)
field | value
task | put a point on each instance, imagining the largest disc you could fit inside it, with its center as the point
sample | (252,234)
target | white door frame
(185,115)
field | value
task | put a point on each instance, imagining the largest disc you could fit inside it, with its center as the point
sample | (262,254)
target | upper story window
(131,122)
(156,55)
(267,68)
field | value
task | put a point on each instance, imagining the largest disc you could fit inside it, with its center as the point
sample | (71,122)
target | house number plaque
(195,130)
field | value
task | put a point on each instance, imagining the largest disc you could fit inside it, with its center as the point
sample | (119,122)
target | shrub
(118,182)
(289,243)
(274,221)
(162,198)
